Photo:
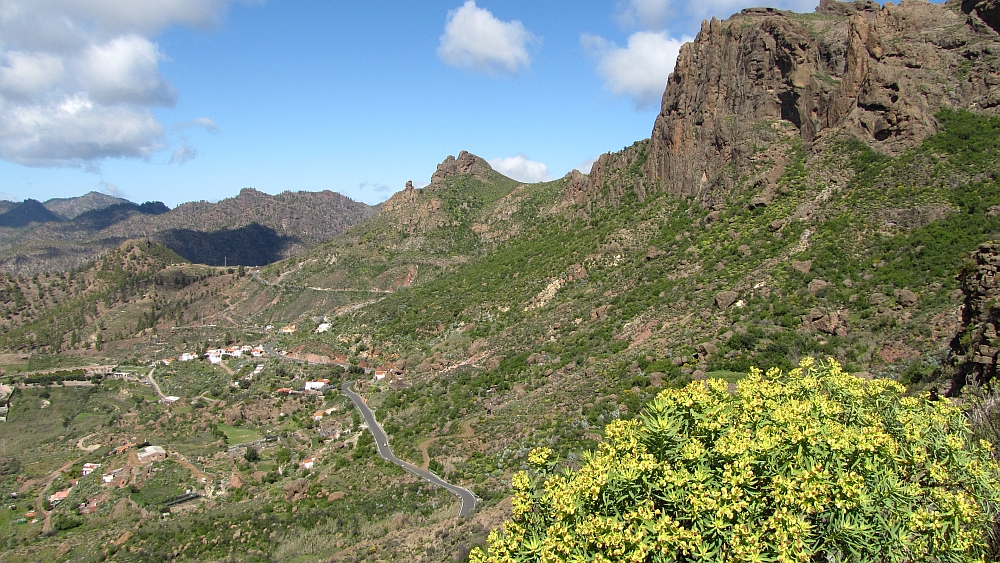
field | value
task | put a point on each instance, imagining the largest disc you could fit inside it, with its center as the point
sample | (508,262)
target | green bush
(812,465)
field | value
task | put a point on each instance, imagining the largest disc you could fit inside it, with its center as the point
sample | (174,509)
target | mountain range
(252,228)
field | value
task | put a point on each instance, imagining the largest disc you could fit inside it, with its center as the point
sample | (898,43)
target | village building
(290,329)
(151,454)
(308,463)
(317,385)
(123,448)
(323,327)
(109,477)
(55,499)
(89,468)
(187,357)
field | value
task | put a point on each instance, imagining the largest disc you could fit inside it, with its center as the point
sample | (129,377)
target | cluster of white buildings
(215,355)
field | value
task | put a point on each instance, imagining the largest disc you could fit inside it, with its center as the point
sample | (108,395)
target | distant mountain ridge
(252,228)
(71,207)
(26,212)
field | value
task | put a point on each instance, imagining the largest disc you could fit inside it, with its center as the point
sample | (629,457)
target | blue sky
(182,100)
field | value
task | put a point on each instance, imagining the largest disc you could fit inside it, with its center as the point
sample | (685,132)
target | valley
(535,352)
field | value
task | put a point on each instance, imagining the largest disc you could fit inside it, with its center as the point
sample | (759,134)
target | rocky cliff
(976,346)
(879,74)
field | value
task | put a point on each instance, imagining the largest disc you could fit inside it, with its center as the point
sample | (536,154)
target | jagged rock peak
(880,74)
(466,163)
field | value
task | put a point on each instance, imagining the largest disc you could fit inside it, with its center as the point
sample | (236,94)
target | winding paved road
(382,443)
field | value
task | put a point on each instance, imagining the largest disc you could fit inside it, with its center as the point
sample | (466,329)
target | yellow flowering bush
(812,465)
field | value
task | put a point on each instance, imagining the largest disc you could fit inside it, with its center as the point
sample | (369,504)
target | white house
(317,385)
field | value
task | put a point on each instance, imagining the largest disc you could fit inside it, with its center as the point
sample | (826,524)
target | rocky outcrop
(879,74)
(466,163)
(975,347)
(987,10)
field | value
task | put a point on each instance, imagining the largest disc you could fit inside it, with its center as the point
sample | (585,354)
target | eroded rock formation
(975,347)
(880,74)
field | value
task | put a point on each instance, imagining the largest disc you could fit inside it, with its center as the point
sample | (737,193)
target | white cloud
(125,70)
(78,78)
(4,196)
(522,169)
(73,131)
(640,69)
(27,74)
(475,39)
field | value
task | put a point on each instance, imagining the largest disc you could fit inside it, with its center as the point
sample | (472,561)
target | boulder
(706,349)
(818,285)
(600,313)
(802,266)
(654,253)
(296,490)
(907,298)
(725,299)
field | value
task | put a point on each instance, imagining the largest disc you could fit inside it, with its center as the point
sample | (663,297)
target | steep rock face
(976,347)
(879,74)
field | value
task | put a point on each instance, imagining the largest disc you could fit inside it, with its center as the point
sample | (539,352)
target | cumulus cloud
(522,169)
(78,78)
(125,70)
(638,70)
(475,39)
(74,131)
(4,196)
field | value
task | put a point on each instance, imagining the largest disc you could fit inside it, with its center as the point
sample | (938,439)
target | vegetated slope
(134,287)
(252,228)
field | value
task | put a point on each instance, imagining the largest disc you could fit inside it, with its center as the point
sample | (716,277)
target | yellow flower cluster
(814,463)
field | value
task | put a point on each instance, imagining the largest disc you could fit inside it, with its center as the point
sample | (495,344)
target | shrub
(812,465)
